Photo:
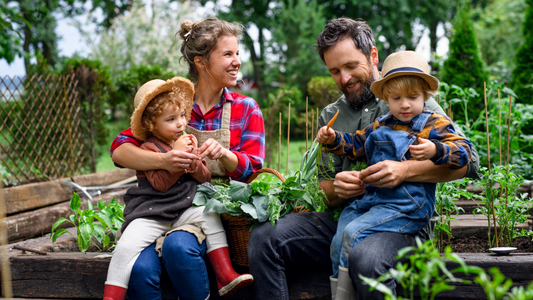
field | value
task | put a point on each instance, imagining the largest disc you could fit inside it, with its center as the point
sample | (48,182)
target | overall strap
(420,122)
(226,115)
(157,145)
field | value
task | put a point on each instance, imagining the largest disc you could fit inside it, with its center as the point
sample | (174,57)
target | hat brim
(182,84)
(377,86)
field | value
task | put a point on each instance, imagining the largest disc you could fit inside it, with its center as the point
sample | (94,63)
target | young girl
(409,131)
(162,202)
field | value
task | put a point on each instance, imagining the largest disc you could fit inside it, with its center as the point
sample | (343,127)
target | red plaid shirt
(247,132)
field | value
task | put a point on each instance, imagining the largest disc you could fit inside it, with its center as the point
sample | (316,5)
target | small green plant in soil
(502,204)
(447,194)
(110,218)
(425,271)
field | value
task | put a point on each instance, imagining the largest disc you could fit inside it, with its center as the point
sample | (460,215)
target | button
(366,109)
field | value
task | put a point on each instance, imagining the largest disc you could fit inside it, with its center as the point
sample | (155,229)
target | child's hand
(325,136)
(194,150)
(425,150)
(183,143)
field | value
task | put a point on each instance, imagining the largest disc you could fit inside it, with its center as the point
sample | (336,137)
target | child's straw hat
(401,64)
(148,91)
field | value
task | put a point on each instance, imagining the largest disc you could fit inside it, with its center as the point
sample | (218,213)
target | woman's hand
(211,149)
(179,160)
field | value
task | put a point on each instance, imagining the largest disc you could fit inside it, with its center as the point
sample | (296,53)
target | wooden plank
(103,178)
(77,275)
(36,195)
(39,222)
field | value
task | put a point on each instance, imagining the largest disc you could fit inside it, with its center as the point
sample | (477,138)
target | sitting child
(408,131)
(162,202)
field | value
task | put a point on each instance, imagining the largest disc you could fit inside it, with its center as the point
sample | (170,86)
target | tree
(135,38)
(464,66)
(523,73)
(38,35)
(498,29)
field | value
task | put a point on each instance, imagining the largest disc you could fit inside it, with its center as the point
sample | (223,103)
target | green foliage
(110,218)
(138,38)
(264,199)
(322,91)
(464,66)
(447,194)
(520,142)
(502,204)
(499,23)
(127,83)
(10,38)
(94,89)
(294,31)
(425,271)
(523,72)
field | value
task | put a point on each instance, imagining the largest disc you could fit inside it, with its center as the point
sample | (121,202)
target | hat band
(403,69)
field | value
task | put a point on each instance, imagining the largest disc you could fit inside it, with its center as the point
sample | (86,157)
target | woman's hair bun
(185,29)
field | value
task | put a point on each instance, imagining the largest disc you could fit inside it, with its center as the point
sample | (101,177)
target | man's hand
(347,184)
(385,173)
(325,136)
(425,150)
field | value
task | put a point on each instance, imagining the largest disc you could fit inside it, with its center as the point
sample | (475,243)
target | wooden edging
(36,195)
(73,275)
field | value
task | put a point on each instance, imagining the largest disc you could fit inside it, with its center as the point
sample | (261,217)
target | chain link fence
(40,128)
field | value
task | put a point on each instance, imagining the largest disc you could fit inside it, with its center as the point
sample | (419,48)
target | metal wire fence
(40,132)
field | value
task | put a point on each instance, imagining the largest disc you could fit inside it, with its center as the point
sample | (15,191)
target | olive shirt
(351,119)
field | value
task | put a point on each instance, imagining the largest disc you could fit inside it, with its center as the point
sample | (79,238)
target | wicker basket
(238,228)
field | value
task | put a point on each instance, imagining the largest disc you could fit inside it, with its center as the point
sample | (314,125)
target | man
(348,49)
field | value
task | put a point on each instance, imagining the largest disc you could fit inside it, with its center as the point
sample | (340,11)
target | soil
(477,245)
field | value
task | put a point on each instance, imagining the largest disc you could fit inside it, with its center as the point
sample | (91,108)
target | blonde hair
(154,109)
(407,85)
(200,38)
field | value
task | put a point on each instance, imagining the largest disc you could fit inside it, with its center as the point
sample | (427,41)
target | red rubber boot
(113,292)
(228,281)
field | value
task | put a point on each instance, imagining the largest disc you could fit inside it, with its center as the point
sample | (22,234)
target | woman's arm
(132,157)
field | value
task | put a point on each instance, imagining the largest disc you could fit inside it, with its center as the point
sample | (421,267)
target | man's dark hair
(338,29)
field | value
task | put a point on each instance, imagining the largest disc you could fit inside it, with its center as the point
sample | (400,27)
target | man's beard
(364,94)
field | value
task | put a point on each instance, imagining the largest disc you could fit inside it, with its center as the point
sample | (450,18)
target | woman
(230,129)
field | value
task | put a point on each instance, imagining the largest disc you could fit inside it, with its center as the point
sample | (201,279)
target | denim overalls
(406,208)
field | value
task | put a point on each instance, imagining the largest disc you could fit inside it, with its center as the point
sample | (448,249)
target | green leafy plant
(265,198)
(502,204)
(447,194)
(425,271)
(110,218)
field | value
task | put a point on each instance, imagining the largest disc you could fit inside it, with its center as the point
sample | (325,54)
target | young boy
(409,131)
(162,202)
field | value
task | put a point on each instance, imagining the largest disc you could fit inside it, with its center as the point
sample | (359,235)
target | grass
(104,162)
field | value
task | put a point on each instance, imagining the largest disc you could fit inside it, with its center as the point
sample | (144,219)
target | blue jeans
(304,239)
(183,261)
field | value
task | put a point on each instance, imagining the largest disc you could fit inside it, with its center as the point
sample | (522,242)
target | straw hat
(401,64)
(147,92)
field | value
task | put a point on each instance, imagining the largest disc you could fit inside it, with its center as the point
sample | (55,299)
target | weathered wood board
(36,195)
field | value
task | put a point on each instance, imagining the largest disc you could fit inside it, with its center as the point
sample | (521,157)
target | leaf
(99,232)
(106,241)
(200,199)
(75,202)
(249,209)
(57,223)
(240,191)
(206,188)
(104,219)
(215,205)
(85,232)
(59,233)
(261,205)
